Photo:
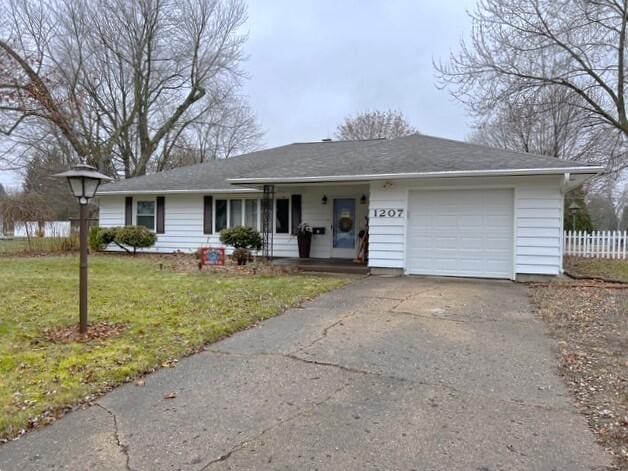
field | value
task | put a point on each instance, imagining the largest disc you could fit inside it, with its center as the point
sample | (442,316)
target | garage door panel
(460,233)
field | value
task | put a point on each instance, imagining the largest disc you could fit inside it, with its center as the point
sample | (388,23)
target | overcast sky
(312,62)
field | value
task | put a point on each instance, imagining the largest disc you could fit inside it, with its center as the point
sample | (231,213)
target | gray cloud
(312,63)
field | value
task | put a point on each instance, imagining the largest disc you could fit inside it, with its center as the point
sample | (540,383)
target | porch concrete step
(355,269)
(323,265)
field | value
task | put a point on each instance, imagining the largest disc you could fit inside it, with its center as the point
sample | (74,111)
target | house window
(250,214)
(235,213)
(282,218)
(146,214)
(221,215)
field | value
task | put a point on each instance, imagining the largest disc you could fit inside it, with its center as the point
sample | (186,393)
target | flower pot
(304,240)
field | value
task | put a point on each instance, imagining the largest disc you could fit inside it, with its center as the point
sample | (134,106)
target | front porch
(323,265)
(336,214)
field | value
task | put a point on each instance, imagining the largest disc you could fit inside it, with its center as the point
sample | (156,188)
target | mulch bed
(188,263)
(97,331)
(590,320)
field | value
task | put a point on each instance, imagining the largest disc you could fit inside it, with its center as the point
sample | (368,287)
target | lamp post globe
(573,210)
(84,181)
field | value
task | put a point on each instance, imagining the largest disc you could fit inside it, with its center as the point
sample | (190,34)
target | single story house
(433,206)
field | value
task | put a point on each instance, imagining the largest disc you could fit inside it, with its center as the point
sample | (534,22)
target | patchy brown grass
(590,320)
(598,268)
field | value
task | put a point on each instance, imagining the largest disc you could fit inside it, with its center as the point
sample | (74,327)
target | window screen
(146,214)
(235,213)
(250,214)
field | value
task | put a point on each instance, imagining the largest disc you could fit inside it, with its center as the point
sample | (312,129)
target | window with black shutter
(161,215)
(207,215)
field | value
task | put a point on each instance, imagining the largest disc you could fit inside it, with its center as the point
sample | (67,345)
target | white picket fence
(596,244)
(51,229)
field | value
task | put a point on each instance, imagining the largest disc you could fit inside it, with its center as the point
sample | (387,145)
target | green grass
(168,315)
(595,267)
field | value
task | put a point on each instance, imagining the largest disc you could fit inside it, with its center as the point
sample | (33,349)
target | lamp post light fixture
(84,180)
(573,210)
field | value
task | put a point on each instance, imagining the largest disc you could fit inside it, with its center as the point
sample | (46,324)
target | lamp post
(84,181)
(573,210)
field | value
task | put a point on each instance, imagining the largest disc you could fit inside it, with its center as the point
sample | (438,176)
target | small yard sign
(213,256)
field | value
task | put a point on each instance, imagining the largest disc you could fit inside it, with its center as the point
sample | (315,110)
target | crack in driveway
(241,445)
(363,372)
(116,434)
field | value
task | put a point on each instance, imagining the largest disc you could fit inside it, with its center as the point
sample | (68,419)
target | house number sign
(387,212)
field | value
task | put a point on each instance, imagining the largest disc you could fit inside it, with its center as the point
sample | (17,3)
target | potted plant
(304,239)
(242,239)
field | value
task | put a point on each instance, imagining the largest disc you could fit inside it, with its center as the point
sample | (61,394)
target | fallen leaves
(97,331)
(590,319)
(172,395)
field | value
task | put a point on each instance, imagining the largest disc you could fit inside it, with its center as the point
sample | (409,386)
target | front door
(344,228)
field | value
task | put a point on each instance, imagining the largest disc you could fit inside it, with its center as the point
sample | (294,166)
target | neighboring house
(434,206)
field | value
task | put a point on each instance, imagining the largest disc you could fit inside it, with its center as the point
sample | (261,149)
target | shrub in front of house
(101,237)
(243,240)
(136,237)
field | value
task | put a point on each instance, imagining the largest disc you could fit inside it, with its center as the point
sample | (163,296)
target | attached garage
(461,233)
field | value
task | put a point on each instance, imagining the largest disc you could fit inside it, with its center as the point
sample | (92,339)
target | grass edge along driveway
(164,316)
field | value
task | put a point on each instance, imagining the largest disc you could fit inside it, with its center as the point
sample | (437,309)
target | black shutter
(207,215)
(296,213)
(161,214)
(128,211)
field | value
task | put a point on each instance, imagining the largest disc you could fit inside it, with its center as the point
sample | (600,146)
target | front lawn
(155,316)
(598,268)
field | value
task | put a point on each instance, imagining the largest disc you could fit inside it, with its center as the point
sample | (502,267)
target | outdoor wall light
(324,199)
(84,180)
(363,199)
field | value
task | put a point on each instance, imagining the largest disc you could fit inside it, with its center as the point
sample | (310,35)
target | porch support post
(268,200)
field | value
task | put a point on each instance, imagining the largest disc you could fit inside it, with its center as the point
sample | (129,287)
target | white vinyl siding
(184,219)
(537,221)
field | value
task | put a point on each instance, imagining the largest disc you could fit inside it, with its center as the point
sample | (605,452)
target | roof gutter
(590,170)
(175,192)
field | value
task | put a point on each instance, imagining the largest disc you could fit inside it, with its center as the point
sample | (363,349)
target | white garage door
(460,233)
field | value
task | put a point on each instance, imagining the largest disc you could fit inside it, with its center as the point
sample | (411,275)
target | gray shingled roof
(414,155)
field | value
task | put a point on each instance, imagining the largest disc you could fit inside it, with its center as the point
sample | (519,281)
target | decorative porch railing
(596,244)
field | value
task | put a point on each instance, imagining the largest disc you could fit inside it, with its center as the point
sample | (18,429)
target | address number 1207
(386,213)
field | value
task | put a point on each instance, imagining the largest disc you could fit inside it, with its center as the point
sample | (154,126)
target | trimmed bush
(243,239)
(137,237)
(101,237)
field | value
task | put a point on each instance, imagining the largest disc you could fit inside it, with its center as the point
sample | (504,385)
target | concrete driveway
(387,373)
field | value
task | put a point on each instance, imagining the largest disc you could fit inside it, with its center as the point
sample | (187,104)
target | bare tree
(218,134)
(521,46)
(374,125)
(547,124)
(117,78)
